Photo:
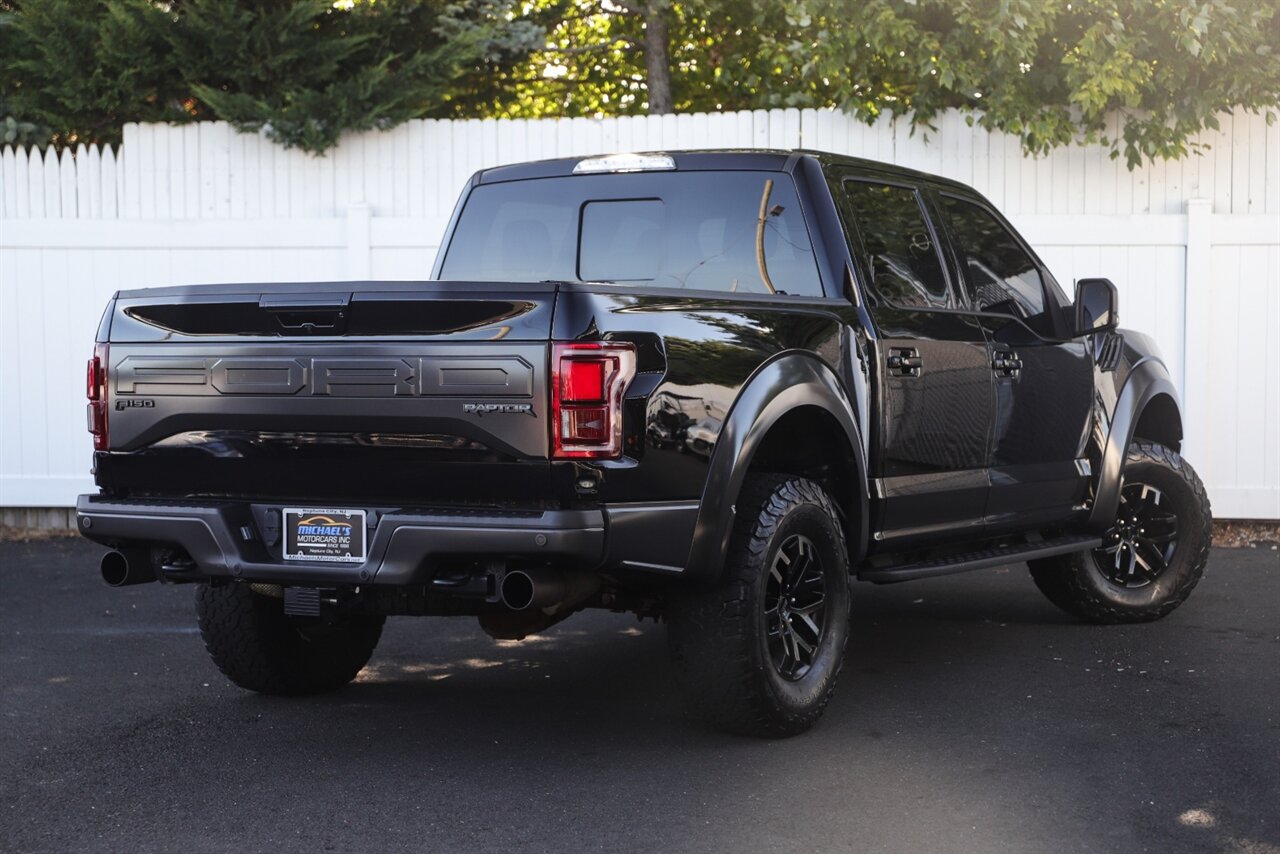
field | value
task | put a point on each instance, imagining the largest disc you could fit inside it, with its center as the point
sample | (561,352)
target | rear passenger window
(898,247)
(1000,276)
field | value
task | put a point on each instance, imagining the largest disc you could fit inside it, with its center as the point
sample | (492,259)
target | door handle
(1006,364)
(904,361)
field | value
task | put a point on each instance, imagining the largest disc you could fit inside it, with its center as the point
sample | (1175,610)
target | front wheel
(759,653)
(1151,558)
(261,648)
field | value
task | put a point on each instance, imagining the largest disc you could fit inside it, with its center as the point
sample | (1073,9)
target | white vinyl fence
(1194,246)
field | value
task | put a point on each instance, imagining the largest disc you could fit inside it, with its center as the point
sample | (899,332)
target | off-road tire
(718,638)
(1074,582)
(260,648)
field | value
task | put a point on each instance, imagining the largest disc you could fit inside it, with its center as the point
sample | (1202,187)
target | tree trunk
(657,57)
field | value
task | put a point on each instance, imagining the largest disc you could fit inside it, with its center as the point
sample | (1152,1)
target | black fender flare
(1147,380)
(788,381)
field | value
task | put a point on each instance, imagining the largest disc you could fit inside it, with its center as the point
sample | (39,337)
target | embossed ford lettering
(257,376)
(358,376)
(364,377)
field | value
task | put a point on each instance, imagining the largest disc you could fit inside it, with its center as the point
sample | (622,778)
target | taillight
(96,390)
(588,380)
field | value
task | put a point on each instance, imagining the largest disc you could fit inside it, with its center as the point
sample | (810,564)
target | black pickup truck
(707,387)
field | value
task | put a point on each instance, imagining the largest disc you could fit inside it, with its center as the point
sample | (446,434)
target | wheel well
(808,441)
(1160,422)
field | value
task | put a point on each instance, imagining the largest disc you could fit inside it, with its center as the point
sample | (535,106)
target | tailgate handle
(308,314)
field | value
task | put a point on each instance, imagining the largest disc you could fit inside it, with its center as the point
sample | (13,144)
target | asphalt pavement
(971,716)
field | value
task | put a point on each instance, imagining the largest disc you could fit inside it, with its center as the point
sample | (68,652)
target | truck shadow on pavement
(603,669)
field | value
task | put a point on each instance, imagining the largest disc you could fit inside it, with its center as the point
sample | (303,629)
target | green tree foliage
(593,61)
(14,130)
(1052,72)
(83,68)
(306,71)
(1049,72)
(303,70)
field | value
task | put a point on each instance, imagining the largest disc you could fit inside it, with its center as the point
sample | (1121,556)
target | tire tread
(711,635)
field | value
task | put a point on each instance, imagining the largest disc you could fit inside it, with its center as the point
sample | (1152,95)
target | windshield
(740,232)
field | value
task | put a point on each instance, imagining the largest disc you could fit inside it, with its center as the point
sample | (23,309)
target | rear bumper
(226,538)
(235,539)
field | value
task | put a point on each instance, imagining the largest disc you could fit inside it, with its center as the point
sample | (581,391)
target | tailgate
(490,394)
(330,389)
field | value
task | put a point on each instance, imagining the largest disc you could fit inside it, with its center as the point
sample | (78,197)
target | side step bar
(982,559)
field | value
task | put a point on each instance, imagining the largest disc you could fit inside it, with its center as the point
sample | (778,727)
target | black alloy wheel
(1141,545)
(795,602)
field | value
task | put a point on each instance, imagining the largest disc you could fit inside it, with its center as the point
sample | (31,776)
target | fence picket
(88,183)
(1271,165)
(34,163)
(9,184)
(110,190)
(66,178)
(1223,189)
(239,151)
(126,172)
(417,171)
(52,184)
(144,166)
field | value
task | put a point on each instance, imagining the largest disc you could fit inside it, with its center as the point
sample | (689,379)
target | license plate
(329,535)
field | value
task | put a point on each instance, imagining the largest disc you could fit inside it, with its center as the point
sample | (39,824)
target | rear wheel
(759,653)
(260,648)
(1151,558)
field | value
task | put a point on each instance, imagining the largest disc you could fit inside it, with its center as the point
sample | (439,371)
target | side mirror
(1096,307)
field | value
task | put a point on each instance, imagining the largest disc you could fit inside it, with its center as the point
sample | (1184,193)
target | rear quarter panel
(695,355)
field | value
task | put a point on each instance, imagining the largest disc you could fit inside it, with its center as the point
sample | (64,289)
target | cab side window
(1000,276)
(897,245)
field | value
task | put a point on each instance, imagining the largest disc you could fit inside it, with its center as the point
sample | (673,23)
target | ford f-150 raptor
(708,387)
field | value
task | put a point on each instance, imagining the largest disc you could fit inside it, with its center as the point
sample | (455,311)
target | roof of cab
(745,159)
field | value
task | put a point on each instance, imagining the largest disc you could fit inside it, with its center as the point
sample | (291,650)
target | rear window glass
(740,232)
(622,240)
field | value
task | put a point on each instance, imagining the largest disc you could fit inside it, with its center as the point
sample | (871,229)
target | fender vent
(1109,354)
